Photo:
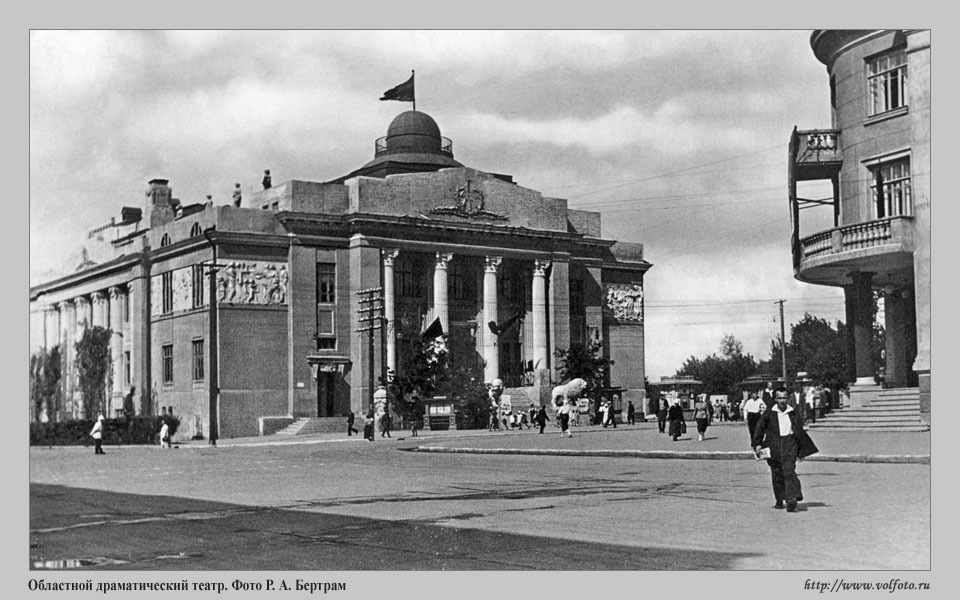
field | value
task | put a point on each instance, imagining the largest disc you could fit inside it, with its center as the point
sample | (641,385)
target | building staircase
(315,425)
(891,410)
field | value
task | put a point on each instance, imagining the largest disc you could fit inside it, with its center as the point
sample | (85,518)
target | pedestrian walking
(542,418)
(97,434)
(768,395)
(677,424)
(753,408)
(351,419)
(417,414)
(368,425)
(563,415)
(533,414)
(385,422)
(662,408)
(605,414)
(780,438)
(165,436)
(702,411)
(631,412)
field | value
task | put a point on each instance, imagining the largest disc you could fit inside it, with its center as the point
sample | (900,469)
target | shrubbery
(137,430)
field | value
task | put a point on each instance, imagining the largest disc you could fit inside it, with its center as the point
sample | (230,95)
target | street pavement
(476,500)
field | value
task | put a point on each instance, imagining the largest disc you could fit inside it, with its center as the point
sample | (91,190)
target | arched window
(165,240)
(195,230)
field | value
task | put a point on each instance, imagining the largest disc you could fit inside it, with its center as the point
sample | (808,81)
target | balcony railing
(816,153)
(855,237)
(380,147)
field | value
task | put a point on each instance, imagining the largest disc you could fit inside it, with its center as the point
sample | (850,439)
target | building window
(166,352)
(326,298)
(126,368)
(125,307)
(195,230)
(892,179)
(165,240)
(197,360)
(197,280)
(887,81)
(406,285)
(326,283)
(166,285)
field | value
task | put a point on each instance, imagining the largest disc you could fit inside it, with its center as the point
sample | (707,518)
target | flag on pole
(402,92)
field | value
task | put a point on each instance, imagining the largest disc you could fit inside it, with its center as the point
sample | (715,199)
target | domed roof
(413,122)
(415,132)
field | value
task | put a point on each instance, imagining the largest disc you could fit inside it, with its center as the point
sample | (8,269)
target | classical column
(491,352)
(116,342)
(51,327)
(100,310)
(68,331)
(84,317)
(440,290)
(860,297)
(540,357)
(389,306)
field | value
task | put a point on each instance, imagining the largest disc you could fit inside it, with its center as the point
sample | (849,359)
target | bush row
(135,430)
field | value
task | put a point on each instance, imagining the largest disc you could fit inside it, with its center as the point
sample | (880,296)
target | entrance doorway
(326,392)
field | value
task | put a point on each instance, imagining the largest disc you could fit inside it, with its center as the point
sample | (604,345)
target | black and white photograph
(308,304)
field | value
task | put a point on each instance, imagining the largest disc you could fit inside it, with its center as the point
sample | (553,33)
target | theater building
(876,155)
(282,317)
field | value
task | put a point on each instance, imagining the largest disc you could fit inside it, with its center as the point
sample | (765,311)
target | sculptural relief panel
(624,302)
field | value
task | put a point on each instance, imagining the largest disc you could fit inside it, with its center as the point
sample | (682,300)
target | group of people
(370,422)
(775,427)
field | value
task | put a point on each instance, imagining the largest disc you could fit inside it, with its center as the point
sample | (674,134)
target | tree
(721,374)
(587,362)
(431,371)
(730,346)
(817,348)
(45,372)
(93,366)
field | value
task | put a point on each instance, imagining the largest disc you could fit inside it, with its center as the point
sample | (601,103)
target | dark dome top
(415,123)
(414,132)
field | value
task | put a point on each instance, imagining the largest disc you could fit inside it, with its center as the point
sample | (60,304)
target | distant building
(511,275)
(876,153)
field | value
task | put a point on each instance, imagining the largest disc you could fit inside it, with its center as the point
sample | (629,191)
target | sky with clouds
(678,138)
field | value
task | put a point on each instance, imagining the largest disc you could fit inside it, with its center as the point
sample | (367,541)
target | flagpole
(413,75)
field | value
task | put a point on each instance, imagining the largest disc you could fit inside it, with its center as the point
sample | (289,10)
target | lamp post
(214,385)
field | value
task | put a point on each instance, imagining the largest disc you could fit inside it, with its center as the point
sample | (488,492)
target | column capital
(116,292)
(81,301)
(52,308)
(443,258)
(492,263)
(389,256)
(98,296)
(540,267)
(64,305)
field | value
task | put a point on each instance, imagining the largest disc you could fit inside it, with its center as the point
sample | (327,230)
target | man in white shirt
(781,431)
(753,408)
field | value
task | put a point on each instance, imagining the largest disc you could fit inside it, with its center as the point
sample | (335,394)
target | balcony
(419,144)
(815,154)
(881,246)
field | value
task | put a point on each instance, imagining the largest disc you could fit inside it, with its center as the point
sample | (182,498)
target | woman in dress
(701,414)
(675,415)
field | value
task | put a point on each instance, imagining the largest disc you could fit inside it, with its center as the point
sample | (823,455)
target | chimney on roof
(161,202)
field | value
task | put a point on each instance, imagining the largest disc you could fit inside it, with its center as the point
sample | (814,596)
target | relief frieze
(625,302)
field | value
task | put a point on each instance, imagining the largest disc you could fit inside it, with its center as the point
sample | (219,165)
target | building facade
(230,315)
(876,154)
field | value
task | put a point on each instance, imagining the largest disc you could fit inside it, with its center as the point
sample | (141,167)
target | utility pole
(214,382)
(371,318)
(783,343)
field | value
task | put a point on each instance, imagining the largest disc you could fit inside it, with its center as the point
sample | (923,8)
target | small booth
(438,413)
(682,389)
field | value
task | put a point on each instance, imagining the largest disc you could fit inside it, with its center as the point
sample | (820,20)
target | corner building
(282,324)
(876,154)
